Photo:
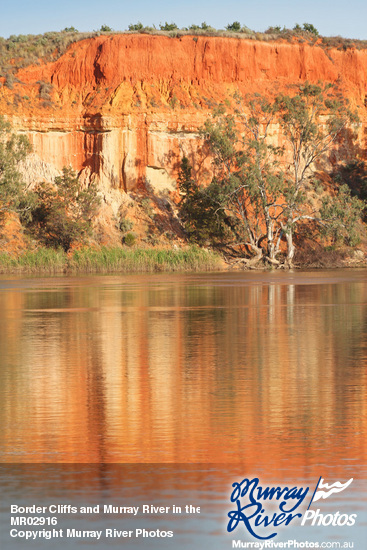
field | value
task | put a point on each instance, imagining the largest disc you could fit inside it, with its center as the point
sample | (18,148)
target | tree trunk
(271,248)
(290,248)
(258,254)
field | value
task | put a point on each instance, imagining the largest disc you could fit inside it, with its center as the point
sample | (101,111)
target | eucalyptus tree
(312,122)
(263,186)
(248,167)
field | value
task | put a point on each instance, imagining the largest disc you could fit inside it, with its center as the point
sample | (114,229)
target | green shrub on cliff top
(136,27)
(234,27)
(308,27)
(168,27)
(70,29)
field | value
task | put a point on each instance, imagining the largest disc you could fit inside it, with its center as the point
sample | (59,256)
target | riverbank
(150,260)
(104,259)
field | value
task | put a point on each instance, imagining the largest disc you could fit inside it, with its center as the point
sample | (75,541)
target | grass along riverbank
(104,260)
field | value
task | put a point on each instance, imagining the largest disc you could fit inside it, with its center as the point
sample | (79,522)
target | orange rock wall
(124,106)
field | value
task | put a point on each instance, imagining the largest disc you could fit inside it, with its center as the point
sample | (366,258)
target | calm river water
(175,386)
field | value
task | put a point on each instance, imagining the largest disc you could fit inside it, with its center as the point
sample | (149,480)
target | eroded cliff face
(125,108)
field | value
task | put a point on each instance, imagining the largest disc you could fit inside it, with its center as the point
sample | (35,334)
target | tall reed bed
(103,260)
(45,260)
(143,260)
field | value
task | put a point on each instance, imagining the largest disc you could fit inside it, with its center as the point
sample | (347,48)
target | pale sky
(330,17)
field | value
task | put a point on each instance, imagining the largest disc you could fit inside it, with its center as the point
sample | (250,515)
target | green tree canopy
(312,122)
(70,29)
(136,26)
(168,27)
(234,27)
(263,186)
(64,211)
(13,149)
(308,27)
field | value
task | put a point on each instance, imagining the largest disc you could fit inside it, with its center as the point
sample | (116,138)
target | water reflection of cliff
(269,375)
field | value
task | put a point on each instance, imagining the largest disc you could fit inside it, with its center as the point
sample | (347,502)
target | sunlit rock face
(124,109)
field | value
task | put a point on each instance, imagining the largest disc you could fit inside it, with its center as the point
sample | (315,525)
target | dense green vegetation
(56,214)
(354,175)
(261,195)
(49,260)
(62,213)
(13,149)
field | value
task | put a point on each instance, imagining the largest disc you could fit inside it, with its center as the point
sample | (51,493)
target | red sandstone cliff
(126,107)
